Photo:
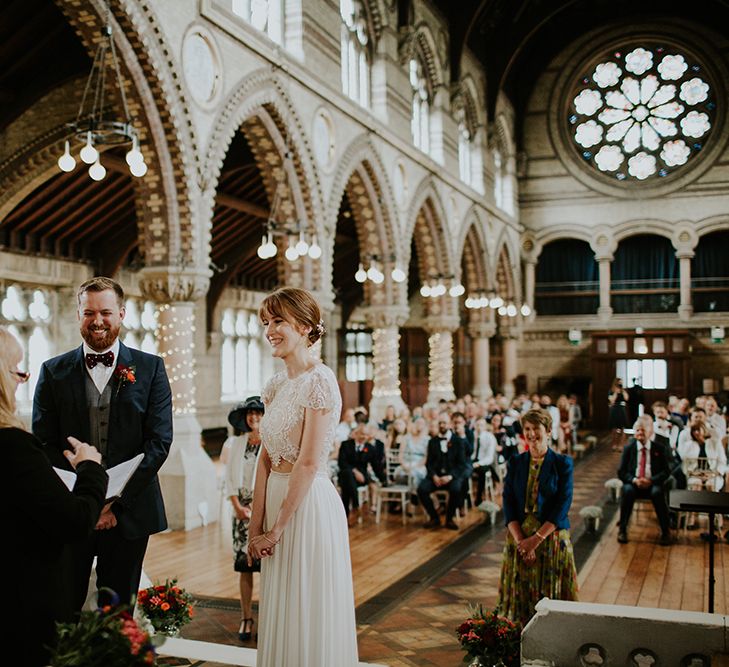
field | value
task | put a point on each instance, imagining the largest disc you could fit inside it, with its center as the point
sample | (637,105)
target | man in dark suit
(645,470)
(447,469)
(119,400)
(355,455)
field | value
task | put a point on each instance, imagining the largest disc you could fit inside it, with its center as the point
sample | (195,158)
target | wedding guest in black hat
(240,475)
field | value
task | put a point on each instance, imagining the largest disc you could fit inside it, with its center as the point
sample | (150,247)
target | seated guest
(389,417)
(458,422)
(506,444)
(396,434)
(665,428)
(355,455)
(413,454)
(704,459)
(696,416)
(446,470)
(484,458)
(645,469)
(546,403)
(715,419)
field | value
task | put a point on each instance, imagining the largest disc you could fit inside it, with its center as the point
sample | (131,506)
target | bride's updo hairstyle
(296,306)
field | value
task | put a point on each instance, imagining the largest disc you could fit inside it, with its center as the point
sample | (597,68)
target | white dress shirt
(101,374)
(485,453)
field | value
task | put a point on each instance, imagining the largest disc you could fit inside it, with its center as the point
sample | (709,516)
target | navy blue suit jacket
(555,489)
(140,421)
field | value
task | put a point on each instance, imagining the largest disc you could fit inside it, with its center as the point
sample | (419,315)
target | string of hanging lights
(375,273)
(92,127)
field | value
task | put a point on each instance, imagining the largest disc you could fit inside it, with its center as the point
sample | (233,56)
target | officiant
(119,400)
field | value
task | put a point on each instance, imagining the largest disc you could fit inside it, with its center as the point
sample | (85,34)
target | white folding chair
(393,492)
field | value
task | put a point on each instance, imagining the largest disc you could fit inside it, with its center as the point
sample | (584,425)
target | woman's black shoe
(246,630)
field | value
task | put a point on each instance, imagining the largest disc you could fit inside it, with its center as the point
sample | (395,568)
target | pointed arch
(420,45)
(474,256)
(260,107)
(169,233)
(361,175)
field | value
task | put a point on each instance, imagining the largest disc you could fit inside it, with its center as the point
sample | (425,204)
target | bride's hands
(261,546)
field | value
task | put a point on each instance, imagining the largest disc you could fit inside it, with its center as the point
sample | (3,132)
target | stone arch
(635,227)
(361,174)
(468,97)
(262,109)
(426,229)
(169,235)
(472,249)
(719,223)
(420,44)
(505,279)
(558,232)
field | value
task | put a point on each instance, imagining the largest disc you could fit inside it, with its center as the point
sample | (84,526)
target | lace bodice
(286,399)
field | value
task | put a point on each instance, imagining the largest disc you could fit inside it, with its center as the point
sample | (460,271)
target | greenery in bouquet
(106,637)
(166,606)
(493,638)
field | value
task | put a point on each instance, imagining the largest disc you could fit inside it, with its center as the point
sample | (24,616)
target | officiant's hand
(81,451)
(107,519)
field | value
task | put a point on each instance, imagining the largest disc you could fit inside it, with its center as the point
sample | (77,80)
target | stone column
(604,310)
(385,322)
(188,478)
(509,361)
(685,308)
(529,282)
(440,357)
(481,334)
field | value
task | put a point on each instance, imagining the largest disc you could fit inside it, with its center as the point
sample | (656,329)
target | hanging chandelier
(92,127)
(299,243)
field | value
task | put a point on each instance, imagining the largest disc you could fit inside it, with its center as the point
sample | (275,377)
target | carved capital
(438,323)
(171,285)
(385,317)
(481,329)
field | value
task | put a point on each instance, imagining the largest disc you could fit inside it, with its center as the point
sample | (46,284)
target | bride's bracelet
(269,539)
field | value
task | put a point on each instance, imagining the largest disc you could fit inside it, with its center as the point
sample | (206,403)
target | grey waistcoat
(99,405)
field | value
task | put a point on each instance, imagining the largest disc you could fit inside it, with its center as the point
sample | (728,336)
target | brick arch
(431,243)
(475,259)
(260,107)
(168,233)
(504,279)
(361,174)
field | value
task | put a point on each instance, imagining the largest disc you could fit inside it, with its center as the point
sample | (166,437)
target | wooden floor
(644,574)
(202,561)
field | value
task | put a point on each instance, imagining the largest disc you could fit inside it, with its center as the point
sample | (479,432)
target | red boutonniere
(124,375)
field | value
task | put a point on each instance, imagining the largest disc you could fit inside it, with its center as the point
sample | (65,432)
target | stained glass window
(641,113)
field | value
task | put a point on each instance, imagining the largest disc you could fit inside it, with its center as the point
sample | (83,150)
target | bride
(306,610)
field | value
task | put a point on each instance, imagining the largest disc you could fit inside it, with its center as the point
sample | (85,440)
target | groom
(119,400)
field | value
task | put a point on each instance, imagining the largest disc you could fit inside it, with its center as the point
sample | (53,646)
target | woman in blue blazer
(538,560)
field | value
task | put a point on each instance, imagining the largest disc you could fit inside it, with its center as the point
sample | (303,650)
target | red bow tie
(92,359)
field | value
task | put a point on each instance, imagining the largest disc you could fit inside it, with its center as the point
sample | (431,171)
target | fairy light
(386,362)
(440,372)
(176,329)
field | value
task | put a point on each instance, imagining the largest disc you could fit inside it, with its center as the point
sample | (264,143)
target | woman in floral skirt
(240,474)
(538,560)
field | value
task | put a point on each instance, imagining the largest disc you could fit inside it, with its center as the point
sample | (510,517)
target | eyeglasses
(23,376)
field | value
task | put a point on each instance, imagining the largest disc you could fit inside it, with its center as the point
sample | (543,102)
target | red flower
(124,375)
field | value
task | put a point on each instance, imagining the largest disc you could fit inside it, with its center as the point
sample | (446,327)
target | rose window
(643,113)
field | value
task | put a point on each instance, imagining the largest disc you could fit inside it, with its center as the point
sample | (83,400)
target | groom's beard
(105,342)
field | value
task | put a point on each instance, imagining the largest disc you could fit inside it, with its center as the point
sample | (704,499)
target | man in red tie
(645,470)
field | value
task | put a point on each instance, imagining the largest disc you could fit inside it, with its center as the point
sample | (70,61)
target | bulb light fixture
(93,127)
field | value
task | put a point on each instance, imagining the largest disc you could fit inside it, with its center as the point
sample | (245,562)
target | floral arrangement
(124,375)
(166,606)
(106,637)
(492,638)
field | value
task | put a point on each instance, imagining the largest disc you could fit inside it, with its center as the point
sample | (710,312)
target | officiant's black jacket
(140,421)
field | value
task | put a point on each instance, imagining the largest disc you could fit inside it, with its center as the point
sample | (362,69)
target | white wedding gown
(306,610)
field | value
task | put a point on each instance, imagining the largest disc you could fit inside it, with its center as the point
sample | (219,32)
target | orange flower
(165,606)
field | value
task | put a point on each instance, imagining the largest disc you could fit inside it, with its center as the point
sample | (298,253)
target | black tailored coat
(350,459)
(39,516)
(453,462)
(661,462)
(140,422)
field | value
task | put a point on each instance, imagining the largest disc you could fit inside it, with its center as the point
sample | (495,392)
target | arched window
(139,325)
(263,15)
(498,179)
(470,165)
(420,120)
(355,55)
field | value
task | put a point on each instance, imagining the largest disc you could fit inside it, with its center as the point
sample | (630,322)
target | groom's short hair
(100,284)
